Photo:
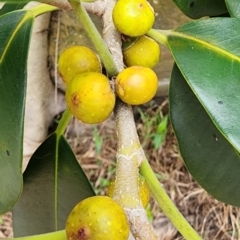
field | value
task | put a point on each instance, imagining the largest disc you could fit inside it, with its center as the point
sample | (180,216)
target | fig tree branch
(129,156)
(96,7)
(129,153)
(61,4)
(111,36)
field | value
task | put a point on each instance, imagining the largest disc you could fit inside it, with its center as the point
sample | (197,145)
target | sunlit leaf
(16,1)
(210,62)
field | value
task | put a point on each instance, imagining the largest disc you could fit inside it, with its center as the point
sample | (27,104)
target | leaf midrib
(13,35)
(208,45)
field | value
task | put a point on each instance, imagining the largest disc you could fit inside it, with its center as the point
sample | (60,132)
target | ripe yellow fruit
(98,217)
(133,17)
(136,85)
(75,60)
(143,52)
(90,98)
(143,190)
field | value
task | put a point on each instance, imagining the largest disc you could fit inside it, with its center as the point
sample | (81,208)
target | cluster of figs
(91,97)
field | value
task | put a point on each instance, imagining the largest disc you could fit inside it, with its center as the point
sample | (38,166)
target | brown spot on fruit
(83,234)
(75,99)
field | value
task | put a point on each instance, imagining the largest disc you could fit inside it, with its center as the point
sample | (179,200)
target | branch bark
(129,157)
(98,7)
(61,4)
(111,36)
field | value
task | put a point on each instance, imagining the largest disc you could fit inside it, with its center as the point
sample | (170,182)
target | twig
(97,7)
(61,4)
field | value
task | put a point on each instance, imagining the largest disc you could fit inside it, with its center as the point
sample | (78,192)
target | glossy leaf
(15,29)
(16,1)
(209,61)
(11,7)
(54,183)
(200,8)
(233,8)
(208,156)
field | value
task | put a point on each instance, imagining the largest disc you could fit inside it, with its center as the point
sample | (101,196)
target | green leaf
(207,53)
(162,127)
(54,183)
(59,235)
(14,38)
(208,156)
(160,135)
(16,1)
(11,7)
(233,8)
(200,8)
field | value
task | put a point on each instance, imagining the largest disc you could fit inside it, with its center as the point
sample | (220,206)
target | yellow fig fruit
(75,60)
(143,190)
(133,17)
(143,52)
(136,85)
(97,218)
(90,98)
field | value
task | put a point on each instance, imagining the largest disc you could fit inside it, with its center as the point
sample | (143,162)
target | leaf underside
(208,156)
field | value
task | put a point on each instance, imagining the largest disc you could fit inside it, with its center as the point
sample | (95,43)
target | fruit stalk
(166,204)
(95,37)
(129,155)
(159,36)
